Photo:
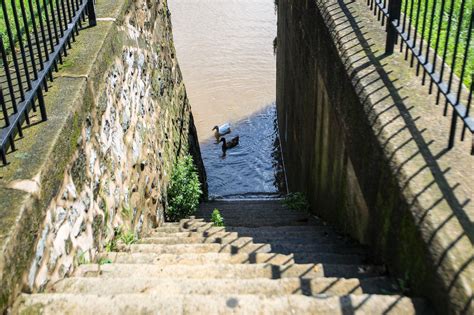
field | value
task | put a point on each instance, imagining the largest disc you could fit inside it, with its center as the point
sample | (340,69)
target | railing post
(91,13)
(394,9)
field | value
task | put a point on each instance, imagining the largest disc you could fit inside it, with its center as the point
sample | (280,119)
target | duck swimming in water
(228,144)
(221,131)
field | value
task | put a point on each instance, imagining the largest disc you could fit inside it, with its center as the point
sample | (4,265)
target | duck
(221,131)
(228,144)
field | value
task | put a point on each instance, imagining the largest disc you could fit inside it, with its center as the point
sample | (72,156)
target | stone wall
(362,138)
(132,122)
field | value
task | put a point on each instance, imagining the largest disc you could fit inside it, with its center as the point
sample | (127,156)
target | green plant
(104,261)
(82,260)
(128,238)
(184,190)
(297,201)
(127,211)
(404,284)
(111,246)
(216,218)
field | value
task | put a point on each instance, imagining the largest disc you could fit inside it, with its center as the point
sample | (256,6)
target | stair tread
(244,271)
(248,247)
(200,258)
(203,304)
(267,259)
(261,286)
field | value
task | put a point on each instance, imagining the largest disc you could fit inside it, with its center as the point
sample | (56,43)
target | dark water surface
(225,51)
(253,168)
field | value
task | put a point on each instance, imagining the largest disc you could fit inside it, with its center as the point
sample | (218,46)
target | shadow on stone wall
(364,140)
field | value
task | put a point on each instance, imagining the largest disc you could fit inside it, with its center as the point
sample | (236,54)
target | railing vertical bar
(394,9)
(57,29)
(409,27)
(22,47)
(66,27)
(465,58)
(468,109)
(35,32)
(28,39)
(383,15)
(60,18)
(8,75)
(3,156)
(4,108)
(91,13)
(456,46)
(423,29)
(415,31)
(13,52)
(43,31)
(428,44)
(455,53)
(42,105)
(405,9)
(445,50)
(77,5)
(438,40)
(53,19)
(50,35)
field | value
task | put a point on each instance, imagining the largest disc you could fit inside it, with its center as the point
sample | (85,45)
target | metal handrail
(413,22)
(44,31)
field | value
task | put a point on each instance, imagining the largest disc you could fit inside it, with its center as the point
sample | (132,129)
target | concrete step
(256,207)
(329,258)
(273,220)
(215,304)
(168,229)
(289,232)
(167,224)
(247,247)
(200,259)
(308,238)
(286,248)
(221,271)
(221,233)
(265,287)
(280,246)
(295,231)
(281,229)
(196,240)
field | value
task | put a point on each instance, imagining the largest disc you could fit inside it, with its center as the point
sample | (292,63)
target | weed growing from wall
(216,218)
(184,190)
(297,201)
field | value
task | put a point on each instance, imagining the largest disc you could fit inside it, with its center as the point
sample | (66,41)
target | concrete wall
(362,139)
(119,118)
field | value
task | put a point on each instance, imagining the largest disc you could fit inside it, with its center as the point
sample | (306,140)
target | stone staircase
(267,260)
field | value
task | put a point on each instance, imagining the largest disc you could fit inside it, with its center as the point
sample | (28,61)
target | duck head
(215,128)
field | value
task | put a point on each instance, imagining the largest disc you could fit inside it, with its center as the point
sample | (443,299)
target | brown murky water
(225,50)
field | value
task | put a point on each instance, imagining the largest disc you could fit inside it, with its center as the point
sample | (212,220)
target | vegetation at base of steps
(216,218)
(127,238)
(184,190)
(297,201)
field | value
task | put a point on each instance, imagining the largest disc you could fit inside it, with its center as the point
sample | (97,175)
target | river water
(225,51)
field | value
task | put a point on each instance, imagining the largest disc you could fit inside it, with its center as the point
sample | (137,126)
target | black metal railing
(35,35)
(437,36)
